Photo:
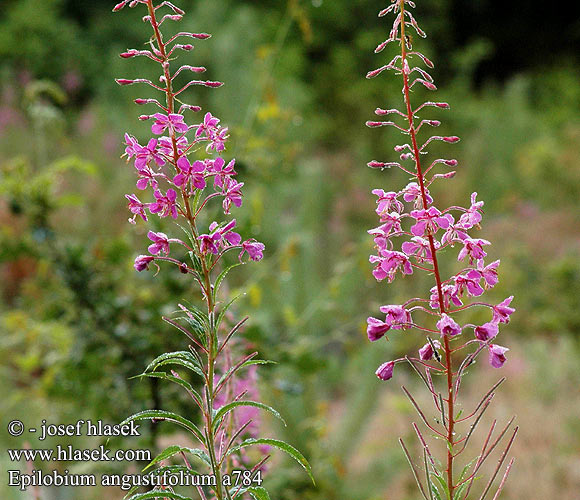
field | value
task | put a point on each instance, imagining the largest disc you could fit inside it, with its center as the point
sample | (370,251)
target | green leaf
(250,362)
(182,358)
(442,484)
(221,277)
(225,309)
(174,450)
(460,491)
(435,492)
(236,404)
(465,469)
(169,416)
(179,381)
(258,493)
(158,494)
(281,445)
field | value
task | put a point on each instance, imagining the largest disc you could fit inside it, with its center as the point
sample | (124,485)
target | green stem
(212,350)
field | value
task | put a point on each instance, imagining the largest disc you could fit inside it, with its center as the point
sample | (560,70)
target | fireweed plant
(182,169)
(427,232)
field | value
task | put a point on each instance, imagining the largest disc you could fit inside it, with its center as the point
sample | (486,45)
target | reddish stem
(419,174)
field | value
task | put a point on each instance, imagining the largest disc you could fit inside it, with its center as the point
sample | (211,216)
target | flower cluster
(413,233)
(413,230)
(182,170)
(163,166)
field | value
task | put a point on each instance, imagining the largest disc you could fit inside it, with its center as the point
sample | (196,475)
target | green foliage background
(76,320)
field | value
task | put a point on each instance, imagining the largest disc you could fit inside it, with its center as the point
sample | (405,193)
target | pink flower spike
(376,328)
(385,371)
(447,326)
(497,355)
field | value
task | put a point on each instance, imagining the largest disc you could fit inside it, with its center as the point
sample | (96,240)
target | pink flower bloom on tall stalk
(173,173)
(411,222)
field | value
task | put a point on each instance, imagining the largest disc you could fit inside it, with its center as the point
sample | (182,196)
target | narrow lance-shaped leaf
(170,417)
(281,445)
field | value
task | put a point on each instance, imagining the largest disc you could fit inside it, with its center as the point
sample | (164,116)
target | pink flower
(233,194)
(455,232)
(473,248)
(472,216)
(218,140)
(230,236)
(447,326)
(397,316)
(166,145)
(376,328)
(160,243)
(497,355)
(388,264)
(429,219)
(208,126)
(254,248)
(172,121)
(489,272)
(146,178)
(164,204)
(210,242)
(412,193)
(132,146)
(190,172)
(223,172)
(385,371)
(136,208)
(392,222)
(419,247)
(426,352)
(386,201)
(486,331)
(147,154)
(502,312)
(142,262)
(469,282)
(449,295)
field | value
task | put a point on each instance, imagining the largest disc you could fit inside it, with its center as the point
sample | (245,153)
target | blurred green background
(76,320)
